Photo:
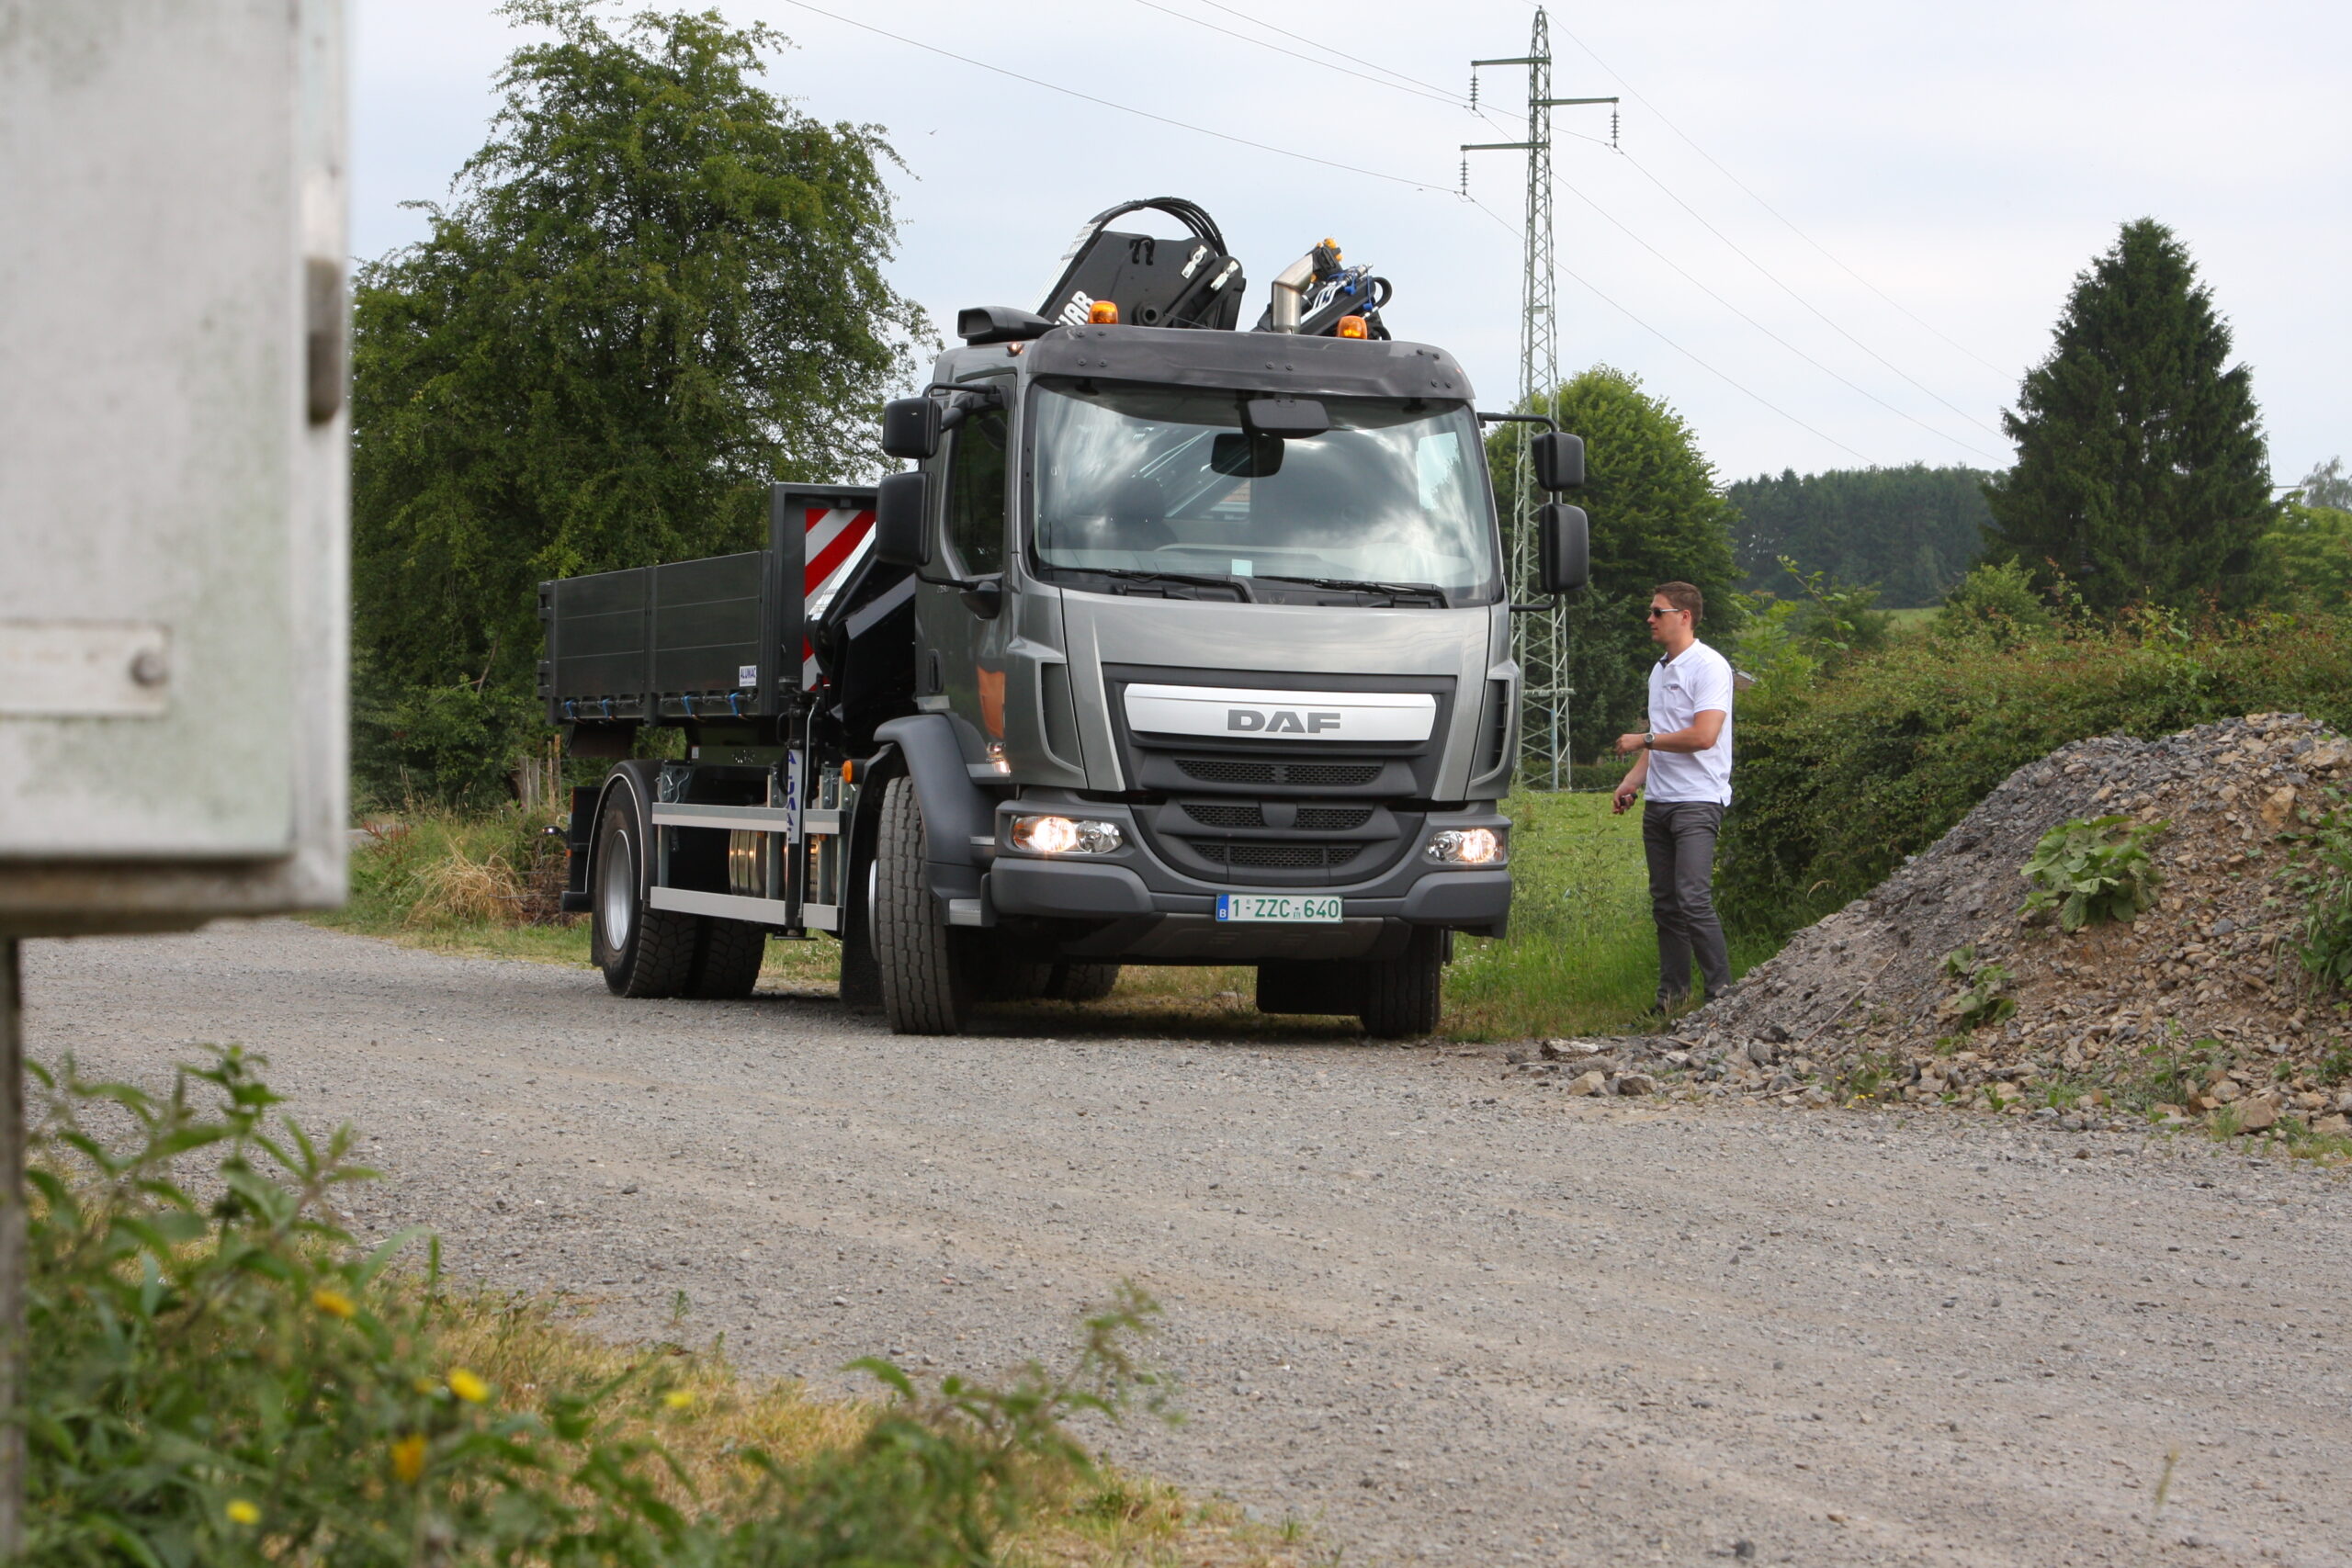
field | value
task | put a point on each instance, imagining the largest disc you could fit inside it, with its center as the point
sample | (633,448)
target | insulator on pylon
(1612,126)
(1474,89)
(1465,177)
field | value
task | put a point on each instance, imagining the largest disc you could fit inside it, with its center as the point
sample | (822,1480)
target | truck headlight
(1066,836)
(1467,846)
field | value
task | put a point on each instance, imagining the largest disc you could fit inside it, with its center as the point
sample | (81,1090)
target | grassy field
(1582,957)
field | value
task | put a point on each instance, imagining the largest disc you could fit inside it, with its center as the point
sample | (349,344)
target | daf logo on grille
(1281,721)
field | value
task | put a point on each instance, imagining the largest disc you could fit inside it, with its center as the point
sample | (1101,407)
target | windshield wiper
(1193,580)
(1393,589)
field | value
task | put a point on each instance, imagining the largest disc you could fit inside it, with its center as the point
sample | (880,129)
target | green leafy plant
(2322,875)
(2092,870)
(218,1374)
(1979,1000)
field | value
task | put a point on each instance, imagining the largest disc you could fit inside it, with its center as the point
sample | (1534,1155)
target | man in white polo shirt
(1684,760)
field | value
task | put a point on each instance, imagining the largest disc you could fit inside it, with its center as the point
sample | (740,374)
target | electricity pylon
(1539,638)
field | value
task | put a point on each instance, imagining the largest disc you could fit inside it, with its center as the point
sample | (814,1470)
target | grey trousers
(1678,840)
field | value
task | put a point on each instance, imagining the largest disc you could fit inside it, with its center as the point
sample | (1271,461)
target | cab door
(964,650)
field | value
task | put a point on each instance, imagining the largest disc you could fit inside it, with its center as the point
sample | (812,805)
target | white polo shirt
(1696,681)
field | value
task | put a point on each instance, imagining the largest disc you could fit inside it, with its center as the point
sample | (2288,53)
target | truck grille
(1211,815)
(1246,770)
(1332,818)
(1276,857)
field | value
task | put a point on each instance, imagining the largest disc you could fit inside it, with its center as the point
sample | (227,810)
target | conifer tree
(2141,472)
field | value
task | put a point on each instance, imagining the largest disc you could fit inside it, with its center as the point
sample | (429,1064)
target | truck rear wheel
(727,959)
(923,989)
(1082,982)
(1403,997)
(643,952)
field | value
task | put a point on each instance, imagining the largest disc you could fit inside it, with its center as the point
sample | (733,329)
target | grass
(1582,957)
(711,1415)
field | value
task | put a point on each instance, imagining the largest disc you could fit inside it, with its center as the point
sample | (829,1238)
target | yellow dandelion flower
(468,1387)
(334,1303)
(408,1457)
(678,1399)
(243,1513)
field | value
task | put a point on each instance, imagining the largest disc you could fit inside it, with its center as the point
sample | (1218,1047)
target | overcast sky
(1944,172)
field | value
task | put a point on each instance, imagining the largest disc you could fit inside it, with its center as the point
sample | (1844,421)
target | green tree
(2328,485)
(656,288)
(2309,555)
(1656,516)
(1911,531)
(2141,469)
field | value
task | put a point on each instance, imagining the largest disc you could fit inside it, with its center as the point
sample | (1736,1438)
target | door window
(976,489)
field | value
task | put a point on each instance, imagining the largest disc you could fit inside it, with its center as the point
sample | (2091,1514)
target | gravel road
(1451,1318)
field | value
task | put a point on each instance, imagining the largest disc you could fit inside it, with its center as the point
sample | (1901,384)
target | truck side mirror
(910,428)
(1559,460)
(900,502)
(1564,537)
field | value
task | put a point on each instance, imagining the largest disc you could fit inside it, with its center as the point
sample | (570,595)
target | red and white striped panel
(838,539)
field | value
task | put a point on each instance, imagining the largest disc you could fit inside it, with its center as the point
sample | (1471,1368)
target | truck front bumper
(1147,911)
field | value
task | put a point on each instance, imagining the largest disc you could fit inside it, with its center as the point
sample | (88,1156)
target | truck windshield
(1136,479)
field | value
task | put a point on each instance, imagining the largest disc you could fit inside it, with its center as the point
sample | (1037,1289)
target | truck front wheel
(1402,999)
(923,988)
(643,952)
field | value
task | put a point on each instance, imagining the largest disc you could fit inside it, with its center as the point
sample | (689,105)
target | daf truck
(1177,643)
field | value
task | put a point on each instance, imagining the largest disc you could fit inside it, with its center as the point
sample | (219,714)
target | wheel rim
(616,890)
(873,920)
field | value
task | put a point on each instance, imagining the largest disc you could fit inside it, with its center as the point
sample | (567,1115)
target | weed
(2094,869)
(2322,874)
(1873,1075)
(1979,1000)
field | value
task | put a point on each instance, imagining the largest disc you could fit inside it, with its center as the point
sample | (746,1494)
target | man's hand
(1627,744)
(1627,793)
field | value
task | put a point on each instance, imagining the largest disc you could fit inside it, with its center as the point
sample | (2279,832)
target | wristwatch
(1649,740)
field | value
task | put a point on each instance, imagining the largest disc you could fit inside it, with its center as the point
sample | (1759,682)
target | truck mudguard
(954,810)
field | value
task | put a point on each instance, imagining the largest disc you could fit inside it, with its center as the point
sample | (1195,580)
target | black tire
(643,952)
(1082,982)
(726,963)
(1403,997)
(923,986)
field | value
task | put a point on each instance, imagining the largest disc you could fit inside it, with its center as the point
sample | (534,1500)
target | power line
(1727,380)
(1808,304)
(1776,212)
(1451,99)
(1313,43)
(1792,348)
(1332,164)
(1109,104)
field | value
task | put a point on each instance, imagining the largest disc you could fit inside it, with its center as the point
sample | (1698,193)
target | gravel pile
(2201,1007)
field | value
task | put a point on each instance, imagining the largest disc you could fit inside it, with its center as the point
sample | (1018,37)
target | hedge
(1837,781)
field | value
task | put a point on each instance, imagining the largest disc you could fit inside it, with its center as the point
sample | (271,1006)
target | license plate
(1277,906)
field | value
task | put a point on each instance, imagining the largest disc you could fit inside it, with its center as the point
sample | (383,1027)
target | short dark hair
(1682,596)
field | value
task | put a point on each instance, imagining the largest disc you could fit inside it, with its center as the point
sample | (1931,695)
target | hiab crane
(1179,644)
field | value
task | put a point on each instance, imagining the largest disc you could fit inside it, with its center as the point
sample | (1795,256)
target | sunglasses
(1653,612)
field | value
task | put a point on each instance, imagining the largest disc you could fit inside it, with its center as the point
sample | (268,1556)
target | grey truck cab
(1207,636)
